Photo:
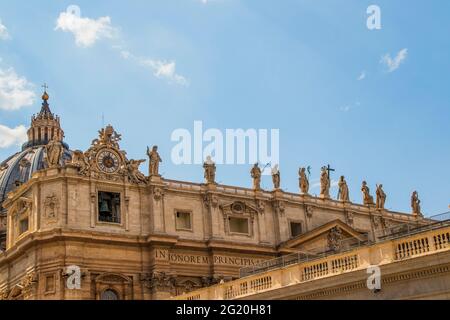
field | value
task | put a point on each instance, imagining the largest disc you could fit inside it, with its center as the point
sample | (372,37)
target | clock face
(108,161)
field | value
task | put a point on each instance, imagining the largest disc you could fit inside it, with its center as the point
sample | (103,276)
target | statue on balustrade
(415,204)
(303,180)
(367,198)
(276,177)
(155,160)
(343,193)
(210,170)
(381,197)
(324,183)
(256,175)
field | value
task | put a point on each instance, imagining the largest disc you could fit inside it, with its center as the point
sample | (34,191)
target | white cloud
(15,92)
(166,70)
(86,31)
(362,76)
(394,63)
(4,35)
(160,68)
(12,136)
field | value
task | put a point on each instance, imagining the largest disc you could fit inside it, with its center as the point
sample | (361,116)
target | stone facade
(146,237)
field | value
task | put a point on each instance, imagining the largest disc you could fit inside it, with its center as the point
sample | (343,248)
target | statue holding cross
(325,183)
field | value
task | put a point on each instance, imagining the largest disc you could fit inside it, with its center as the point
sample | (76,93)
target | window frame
(122,215)
(191,220)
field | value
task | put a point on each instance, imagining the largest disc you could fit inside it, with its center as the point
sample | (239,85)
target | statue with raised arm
(154,162)
(210,170)
(276,179)
(343,193)
(415,204)
(256,175)
(303,180)
(324,183)
(381,197)
(367,198)
(54,151)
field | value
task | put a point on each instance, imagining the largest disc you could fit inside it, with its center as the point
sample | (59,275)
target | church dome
(18,168)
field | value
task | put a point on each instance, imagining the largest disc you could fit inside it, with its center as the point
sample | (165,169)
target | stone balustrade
(429,241)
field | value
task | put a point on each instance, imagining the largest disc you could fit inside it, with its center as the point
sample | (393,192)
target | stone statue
(133,172)
(54,151)
(343,193)
(210,170)
(304,183)
(367,198)
(324,183)
(155,160)
(276,177)
(256,175)
(381,197)
(79,161)
(415,204)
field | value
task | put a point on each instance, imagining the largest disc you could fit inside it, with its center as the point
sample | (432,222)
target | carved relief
(239,208)
(349,217)
(157,193)
(309,211)
(51,207)
(261,205)
(278,206)
(334,239)
(160,281)
(210,200)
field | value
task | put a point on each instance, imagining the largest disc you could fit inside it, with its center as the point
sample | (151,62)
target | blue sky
(311,69)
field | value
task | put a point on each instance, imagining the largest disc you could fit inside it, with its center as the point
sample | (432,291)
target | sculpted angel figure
(155,160)
(79,161)
(303,180)
(54,151)
(133,171)
(256,175)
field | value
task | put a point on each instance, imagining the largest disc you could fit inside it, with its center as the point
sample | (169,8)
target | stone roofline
(224,190)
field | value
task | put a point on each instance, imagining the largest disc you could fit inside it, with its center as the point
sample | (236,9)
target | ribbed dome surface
(20,167)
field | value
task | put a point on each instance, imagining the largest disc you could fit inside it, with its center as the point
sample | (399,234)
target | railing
(302,270)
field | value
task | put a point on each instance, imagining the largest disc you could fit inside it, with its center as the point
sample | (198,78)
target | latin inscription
(181,258)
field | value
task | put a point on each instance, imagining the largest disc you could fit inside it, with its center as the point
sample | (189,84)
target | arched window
(109,294)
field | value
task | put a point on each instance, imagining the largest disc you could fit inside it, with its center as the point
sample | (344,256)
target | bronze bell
(104,207)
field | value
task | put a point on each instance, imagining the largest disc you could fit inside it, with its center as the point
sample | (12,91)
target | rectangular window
(238,225)
(23,227)
(296,229)
(109,207)
(183,220)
